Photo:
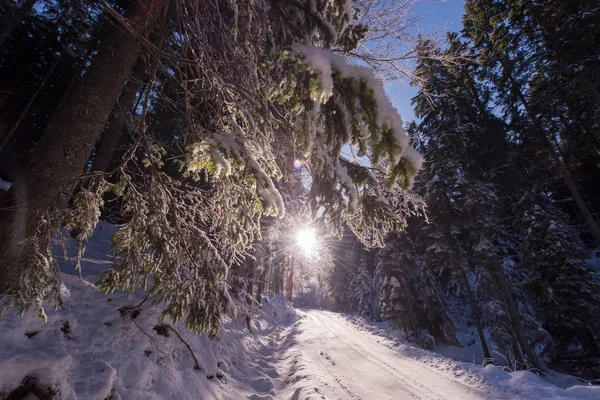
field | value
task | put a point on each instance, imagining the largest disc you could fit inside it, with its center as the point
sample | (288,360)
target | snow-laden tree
(410,294)
(365,287)
(260,83)
(459,135)
(565,288)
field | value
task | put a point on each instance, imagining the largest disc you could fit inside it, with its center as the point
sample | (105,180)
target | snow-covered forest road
(349,363)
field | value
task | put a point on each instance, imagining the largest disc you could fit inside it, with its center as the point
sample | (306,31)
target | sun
(307,240)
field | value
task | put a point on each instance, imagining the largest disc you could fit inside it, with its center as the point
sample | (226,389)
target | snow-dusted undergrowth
(95,349)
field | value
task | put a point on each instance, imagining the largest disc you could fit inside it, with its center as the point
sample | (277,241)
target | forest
(213,132)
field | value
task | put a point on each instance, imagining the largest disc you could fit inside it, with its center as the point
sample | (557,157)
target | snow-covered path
(351,364)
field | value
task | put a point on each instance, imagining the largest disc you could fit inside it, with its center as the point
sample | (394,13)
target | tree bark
(261,286)
(117,121)
(12,21)
(63,151)
(486,352)
(513,314)
(290,287)
(80,68)
(562,169)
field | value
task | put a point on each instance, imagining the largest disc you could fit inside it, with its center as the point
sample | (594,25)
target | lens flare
(298,164)
(307,240)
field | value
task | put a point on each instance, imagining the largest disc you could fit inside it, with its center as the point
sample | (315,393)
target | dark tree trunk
(513,314)
(250,287)
(78,72)
(65,148)
(11,21)
(498,296)
(280,279)
(476,320)
(261,286)
(118,118)
(290,287)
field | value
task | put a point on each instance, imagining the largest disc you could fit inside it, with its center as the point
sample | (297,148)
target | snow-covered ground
(492,381)
(95,349)
(4,185)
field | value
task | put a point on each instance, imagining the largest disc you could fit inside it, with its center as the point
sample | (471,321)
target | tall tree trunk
(79,70)
(64,149)
(10,22)
(513,313)
(486,352)
(261,286)
(280,278)
(118,118)
(290,287)
(562,169)
(9,134)
(250,287)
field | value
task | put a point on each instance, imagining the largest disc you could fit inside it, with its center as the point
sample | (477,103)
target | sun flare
(307,240)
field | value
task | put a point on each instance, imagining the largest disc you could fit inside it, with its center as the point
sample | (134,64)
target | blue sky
(435,15)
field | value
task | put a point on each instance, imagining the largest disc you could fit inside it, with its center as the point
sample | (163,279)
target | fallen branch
(170,327)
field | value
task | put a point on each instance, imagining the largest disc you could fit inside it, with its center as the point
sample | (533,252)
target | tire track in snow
(361,365)
(421,390)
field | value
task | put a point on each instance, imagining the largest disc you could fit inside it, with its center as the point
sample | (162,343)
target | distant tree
(410,294)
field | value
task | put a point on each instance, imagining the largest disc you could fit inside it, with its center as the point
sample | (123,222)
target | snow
(4,185)
(89,350)
(495,381)
(347,183)
(594,260)
(93,348)
(324,62)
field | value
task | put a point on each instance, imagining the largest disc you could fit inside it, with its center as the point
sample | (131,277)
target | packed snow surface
(94,348)
(366,364)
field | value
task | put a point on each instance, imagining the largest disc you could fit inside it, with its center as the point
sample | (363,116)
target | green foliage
(183,230)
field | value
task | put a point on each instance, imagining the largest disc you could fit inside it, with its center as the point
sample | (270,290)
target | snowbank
(97,348)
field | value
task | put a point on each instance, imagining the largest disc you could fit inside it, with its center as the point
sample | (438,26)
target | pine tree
(460,179)
(365,288)
(512,46)
(564,287)
(230,159)
(410,294)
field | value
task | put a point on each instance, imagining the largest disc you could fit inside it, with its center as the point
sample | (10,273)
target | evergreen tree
(365,288)
(183,229)
(511,45)
(564,287)
(410,294)
(461,179)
